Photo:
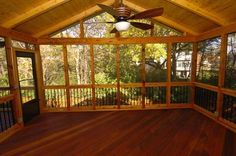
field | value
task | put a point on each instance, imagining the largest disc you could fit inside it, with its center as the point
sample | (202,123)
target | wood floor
(182,132)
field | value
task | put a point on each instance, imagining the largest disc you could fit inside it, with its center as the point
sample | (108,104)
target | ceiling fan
(122,15)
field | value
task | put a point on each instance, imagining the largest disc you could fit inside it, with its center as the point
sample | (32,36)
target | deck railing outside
(6,113)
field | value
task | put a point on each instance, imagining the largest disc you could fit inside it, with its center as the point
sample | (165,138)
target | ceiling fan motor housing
(123,12)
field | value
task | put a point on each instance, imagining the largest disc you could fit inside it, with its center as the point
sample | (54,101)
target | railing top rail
(6,98)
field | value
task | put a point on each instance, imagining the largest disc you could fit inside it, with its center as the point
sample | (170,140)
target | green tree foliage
(105,64)
(4,82)
(96,27)
(53,64)
(130,63)
(79,64)
(71,32)
(155,62)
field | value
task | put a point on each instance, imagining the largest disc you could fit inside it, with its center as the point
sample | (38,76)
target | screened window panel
(163,30)
(230,70)
(105,64)
(96,27)
(208,61)
(53,65)
(79,64)
(130,63)
(136,32)
(72,32)
(181,60)
(155,62)
(4,79)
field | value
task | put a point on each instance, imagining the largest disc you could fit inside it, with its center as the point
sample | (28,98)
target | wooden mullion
(193,71)
(168,87)
(66,72)
(81,29)
(223,57)
(118,97)
(93,76)
(39,69)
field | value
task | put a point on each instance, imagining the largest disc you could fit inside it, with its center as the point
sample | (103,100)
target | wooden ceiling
(43,17)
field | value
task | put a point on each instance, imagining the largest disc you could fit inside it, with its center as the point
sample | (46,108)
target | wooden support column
(39,69)
(93,76)
(168,87)
(13,79)
(81,23)
(193,71)
(223,57)
(143,91)
(66,71)
(118,76)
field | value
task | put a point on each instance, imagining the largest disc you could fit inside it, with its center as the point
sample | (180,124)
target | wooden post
(168,87)
(143,91)
(67,80)
(118,98)
(193,71)
(39,69)
(13,79)
(93,76)
(223,57)
(81,23)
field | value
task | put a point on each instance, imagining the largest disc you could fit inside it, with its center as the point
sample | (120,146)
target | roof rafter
(199,11)
(33,12)
(72,19)
(163,19)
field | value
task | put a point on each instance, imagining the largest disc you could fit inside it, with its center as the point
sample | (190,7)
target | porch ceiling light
(122,25)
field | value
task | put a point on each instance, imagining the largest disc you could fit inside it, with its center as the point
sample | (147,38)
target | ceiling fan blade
(142,26)
(148,13)
(108,9)
(114,30)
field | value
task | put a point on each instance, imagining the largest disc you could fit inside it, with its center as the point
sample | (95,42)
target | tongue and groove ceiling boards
(43,17)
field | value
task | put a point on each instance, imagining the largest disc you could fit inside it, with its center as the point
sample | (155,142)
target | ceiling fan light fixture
(122,25)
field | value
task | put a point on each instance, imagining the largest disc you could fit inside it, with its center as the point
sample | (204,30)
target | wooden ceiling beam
(32,13)
(72,19)
(4,32)
(199,11)
(165,20)
(136,40)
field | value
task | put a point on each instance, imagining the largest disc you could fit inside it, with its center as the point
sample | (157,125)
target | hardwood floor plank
(182,132)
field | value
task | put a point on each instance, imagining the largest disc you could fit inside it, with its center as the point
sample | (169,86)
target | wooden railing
(206,99)
(217,103)
(7,119)
(180,94)
(81,97)
(155,95)
(55,97)
(135,95)
(229,108)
